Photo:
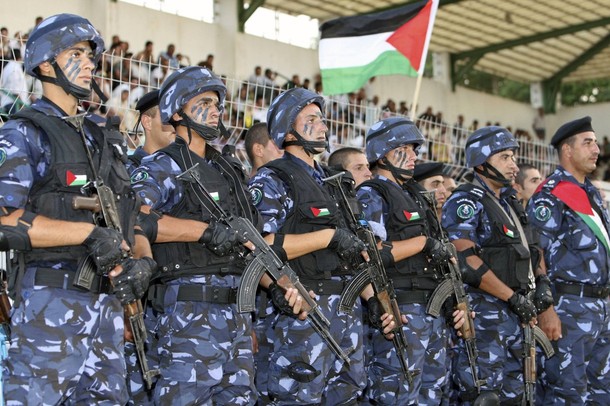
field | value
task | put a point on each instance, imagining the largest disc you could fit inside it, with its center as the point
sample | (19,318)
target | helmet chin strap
(311,147)
(399,174)
(492,173)
(70,88)
(205,131)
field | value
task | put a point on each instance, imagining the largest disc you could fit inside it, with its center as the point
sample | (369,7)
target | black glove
(436,251)
(104,247)
(543,296)
(131,284)
(522,307)
(279,301)
(348,246)
(219,238)
(375,312)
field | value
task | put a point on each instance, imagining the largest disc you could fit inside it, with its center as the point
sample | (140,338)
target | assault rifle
(100,200)
(262,259)
(452,284)
(531,336)
(372,273)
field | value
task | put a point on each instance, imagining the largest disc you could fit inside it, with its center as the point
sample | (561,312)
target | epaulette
(477,193)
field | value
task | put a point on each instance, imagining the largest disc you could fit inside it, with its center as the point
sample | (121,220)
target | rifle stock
(264,259)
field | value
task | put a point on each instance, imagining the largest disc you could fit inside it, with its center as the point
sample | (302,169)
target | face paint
(401,157)
(72,69)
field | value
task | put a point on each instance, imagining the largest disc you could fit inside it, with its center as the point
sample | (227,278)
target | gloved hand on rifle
(219,238)
(279,300)
(436,251)
(131,284)
(543,296)
(347,245)
(104,247)
(522,307)
(375,312)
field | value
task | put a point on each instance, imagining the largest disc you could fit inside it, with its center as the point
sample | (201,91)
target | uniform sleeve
(374,209)
(156,183)
(545,213)
(21,163)
(461,217)
(270,197)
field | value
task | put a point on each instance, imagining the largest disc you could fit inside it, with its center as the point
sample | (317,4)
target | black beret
(571,128)
(426,170)
(148,101)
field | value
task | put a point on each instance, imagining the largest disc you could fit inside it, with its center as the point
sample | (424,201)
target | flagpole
(422,63)
(416,96)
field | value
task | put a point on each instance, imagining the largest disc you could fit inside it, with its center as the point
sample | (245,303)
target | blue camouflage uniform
(80,333)
(426,336)
(295,341)
(138,393)
(498,330)
(204,344)
(577,263)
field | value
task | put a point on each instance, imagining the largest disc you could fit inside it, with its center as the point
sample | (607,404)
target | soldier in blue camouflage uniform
(573,223)
(156,136)
(204,344)
(486,230)
(67,344)
(301,217)
(403,220)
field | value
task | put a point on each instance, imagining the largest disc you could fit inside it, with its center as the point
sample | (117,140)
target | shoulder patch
(465,211)
(542,212)
(3,155)
(140,175)
(256,195)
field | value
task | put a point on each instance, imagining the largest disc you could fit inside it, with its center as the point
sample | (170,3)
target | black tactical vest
(410,215)
(228,188)
(315,208)
(52,196)
(503,251)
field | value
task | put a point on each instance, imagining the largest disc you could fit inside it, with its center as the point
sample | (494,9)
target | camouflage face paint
(401,157)
(72,69)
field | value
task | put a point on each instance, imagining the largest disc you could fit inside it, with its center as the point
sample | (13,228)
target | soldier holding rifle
(67,325)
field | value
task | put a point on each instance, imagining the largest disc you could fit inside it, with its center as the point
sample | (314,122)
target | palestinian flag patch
(410,216)
(215,196)
(75,179)
(507,231)
(320,212)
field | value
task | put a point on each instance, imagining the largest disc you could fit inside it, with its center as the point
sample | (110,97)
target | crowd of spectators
(124,76)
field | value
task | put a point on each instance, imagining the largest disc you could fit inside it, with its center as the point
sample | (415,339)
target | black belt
(413,296)
(202,293)
(582,290)
(61,278)
(324,286)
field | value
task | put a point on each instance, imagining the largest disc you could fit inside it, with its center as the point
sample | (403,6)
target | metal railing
(125,80)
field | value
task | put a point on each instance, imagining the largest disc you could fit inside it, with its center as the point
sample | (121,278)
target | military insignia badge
(465,211)
(139,176)
(542,213)
(2,156)
(256,195)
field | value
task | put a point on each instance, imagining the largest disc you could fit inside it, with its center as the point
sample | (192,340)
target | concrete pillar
(225,19)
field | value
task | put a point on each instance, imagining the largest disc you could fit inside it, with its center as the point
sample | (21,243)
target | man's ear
(257,150)
(46,69)
(146,122)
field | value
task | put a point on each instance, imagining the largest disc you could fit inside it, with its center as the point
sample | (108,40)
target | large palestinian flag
(354,49)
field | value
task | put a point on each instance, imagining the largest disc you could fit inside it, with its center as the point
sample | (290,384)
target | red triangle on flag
(70,177)
(315,211)
(407,214)
(410,38)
